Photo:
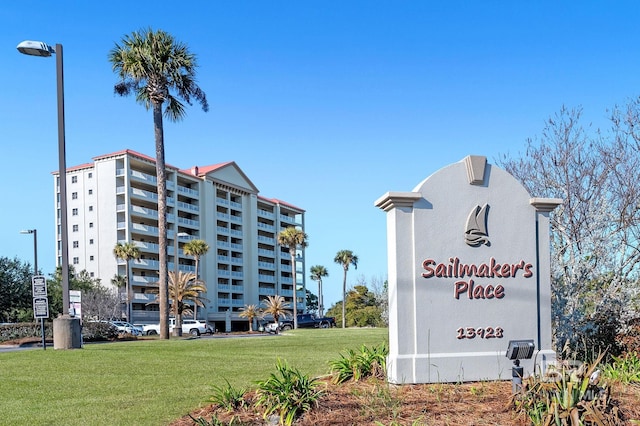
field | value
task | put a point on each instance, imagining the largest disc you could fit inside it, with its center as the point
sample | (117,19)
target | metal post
(62,170)
(35,267)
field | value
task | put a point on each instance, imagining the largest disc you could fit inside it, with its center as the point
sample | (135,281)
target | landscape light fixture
(517,350)
(38,48)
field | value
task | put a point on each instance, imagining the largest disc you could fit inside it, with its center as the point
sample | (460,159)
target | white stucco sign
(468,265)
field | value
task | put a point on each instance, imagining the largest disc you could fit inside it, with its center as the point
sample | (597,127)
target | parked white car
(193,327)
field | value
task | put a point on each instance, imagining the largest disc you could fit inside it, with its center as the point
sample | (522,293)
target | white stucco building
(114,199)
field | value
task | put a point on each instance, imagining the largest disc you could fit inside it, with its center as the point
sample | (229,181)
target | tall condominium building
(114,199)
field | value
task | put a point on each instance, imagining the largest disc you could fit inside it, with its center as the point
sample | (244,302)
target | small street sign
(41,307)
(39,286)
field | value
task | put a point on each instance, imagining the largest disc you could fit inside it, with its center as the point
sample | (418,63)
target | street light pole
(36,48)
(70,330)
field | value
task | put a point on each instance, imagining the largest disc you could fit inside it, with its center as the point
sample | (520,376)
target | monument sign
(468,265)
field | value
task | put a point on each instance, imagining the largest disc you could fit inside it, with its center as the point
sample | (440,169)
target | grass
(154,382)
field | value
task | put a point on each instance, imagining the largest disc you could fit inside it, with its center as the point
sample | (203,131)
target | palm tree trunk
(195,306)
(162,222)
(320,307)
(295,288)
(127,289)
(344,300)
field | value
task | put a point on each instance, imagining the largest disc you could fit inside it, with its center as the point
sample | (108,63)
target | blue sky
(324,104)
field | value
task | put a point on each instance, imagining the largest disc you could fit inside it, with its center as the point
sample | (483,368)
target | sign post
(40,303)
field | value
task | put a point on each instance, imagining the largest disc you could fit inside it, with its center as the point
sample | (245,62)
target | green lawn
(154,382)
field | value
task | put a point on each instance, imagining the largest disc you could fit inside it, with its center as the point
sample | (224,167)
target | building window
(76,260)
(90,224)
(90,191)
(91,241)
(74,179)
(75,228)
(91,258)
(90,208)
(91,274)
(90,175)
(74,195)
(76,244)
(74,212)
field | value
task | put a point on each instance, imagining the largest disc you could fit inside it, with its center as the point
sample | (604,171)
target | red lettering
(495,268)
(488,292)
(515,267)
(426,266)
(459,288)
(478,293)
(527,270)
(499,292)
(505,271)
(441,270)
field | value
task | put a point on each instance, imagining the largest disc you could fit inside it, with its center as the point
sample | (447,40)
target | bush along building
(114,200)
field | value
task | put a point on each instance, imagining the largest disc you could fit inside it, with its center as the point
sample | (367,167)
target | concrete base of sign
(67,333)
(462,367)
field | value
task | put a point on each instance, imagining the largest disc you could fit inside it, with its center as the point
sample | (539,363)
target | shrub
(94,331)
(24,329)
(287,393)
(357,365)
(227,397)
(624,369)
(568,396)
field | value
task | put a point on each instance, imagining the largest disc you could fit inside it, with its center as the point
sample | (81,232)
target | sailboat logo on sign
(476,233)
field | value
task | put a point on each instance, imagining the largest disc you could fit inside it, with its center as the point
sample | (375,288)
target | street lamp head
(27,231)
(35,48)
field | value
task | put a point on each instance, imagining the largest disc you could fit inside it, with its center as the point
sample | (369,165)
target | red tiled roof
(135,154)
(284,203)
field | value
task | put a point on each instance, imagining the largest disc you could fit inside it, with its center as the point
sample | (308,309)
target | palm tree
(183,288)
(158,69)
(250,312)
(345,258)
(292,238)
(196,248)
(127,252)
(317,273)
(275,306)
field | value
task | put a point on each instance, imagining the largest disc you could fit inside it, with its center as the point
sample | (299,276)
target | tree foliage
(364,307)
(15,289)
(595,233)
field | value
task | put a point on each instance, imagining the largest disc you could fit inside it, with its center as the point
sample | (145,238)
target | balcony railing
(264,213)
(189,207)
(188,191)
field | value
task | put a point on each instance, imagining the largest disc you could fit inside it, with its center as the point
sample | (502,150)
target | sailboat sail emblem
(476,231)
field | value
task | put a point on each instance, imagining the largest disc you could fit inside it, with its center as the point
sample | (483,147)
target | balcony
(265,252)
(188,207)
(144,212)
(267,291)
(222,201)
(188,191)
(267,227)
(266,240)
(188,222)
(266,265)
(266,214)
(144,280)
(237,288)
(266,278)
(143,298)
